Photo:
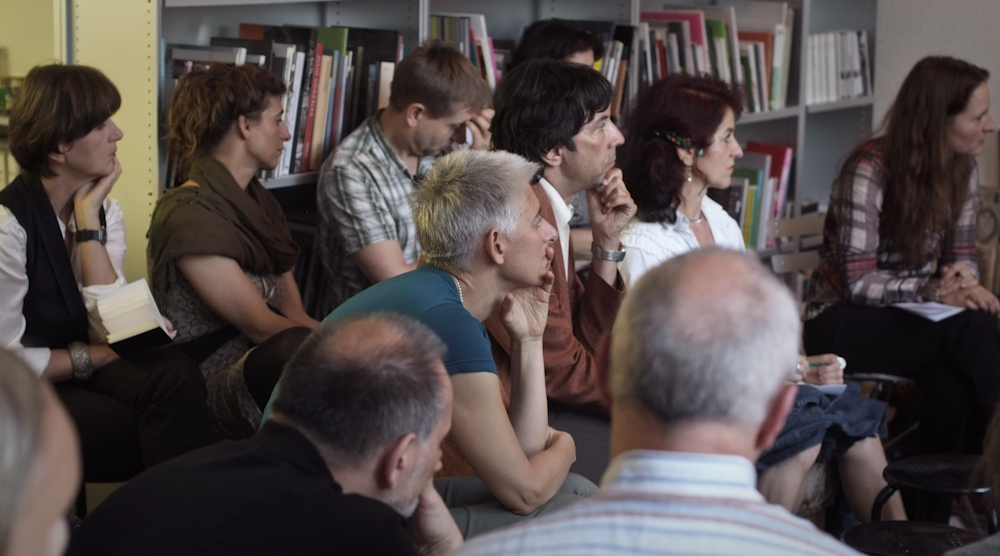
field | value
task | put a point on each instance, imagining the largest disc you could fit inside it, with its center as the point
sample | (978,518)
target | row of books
(468,31)
(614,66)
(748,44)
(759,191)
(335,78)
(838,66)
(618,41)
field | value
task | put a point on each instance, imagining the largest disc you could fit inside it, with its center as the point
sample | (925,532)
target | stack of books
(468,32)
(748,44)
(335,78)
(759,191)
(838,66)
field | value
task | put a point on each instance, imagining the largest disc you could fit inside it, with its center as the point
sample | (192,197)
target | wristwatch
(606,255)
(92,235)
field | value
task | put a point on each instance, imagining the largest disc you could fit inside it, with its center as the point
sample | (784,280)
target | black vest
(53,308)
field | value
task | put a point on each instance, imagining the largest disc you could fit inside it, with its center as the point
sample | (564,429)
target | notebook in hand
(132,320)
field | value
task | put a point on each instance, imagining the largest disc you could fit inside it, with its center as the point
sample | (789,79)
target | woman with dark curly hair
(220,251)
(683,144)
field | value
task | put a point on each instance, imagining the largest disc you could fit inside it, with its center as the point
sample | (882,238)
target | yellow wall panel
(28,30)
(119,37)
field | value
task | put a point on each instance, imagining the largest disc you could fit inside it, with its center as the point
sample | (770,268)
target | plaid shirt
(857,266)
(363,195)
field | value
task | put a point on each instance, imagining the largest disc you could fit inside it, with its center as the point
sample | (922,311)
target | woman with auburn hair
(62,245)
(220,251)
(683,145)
(901,228)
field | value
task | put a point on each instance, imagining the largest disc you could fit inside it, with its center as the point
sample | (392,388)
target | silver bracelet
(79,357)
(607,255)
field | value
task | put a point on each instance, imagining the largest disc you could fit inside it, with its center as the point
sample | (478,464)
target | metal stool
(912,538)
(947,474)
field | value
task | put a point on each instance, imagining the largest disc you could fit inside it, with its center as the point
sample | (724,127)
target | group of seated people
(466,378)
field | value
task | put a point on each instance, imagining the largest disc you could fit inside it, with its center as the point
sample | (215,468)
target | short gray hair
(21,407)
(708,335)
(465,195)
(360,382)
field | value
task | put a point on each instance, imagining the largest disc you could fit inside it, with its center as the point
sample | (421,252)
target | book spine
(777,63)
(317,62)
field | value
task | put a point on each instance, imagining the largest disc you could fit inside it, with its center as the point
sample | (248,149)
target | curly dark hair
(209,101)
(689,107)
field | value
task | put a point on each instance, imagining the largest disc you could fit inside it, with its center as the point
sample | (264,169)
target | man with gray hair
(488,250)
(349,452)
(696,381)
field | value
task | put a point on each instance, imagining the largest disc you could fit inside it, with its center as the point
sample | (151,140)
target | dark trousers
(955,362)
(591,432)
(138,412)
(476,511)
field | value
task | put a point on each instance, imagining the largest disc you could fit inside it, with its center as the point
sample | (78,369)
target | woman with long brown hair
(220,251)
(901,228)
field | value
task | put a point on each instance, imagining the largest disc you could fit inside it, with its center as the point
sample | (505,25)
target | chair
(910,538)
(789,231)
(941,474)
(794,229)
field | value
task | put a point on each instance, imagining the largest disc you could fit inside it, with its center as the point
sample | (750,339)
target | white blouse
(14,280)
(648,244)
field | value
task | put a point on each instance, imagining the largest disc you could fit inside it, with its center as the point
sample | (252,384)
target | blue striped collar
(681,473)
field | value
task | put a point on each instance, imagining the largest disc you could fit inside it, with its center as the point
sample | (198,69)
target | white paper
(930,310)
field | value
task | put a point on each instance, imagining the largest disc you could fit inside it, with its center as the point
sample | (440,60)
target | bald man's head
(360,382)
(709,335)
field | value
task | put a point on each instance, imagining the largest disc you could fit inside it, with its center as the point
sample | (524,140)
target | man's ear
(774,421)
(413,113)
(554,157)
(400,458)
(495,246)
(604,368)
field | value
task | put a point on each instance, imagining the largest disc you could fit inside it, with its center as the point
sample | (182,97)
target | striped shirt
(662,503)
(857,266)
(363,196)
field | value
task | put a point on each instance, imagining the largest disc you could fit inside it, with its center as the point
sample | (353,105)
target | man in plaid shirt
(366,231)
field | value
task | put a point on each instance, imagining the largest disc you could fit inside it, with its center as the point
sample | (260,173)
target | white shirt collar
(563,213)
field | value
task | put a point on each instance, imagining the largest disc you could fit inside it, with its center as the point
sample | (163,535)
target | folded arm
(483,433)
(222,285)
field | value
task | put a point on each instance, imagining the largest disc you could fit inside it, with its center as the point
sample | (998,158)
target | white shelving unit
(820,134)
(196,21)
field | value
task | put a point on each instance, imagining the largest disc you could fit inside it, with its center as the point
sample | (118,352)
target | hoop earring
(687,174)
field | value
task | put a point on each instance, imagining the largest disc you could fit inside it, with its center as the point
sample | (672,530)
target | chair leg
(991,513)
(969,511)
(880,501)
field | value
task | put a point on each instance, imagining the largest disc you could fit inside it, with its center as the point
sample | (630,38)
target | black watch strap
(92,235)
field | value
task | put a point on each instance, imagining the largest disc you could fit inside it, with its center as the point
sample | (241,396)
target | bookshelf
(820,134)
(196,21)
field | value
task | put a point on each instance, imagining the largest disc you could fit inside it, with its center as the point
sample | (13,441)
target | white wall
(911,29)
